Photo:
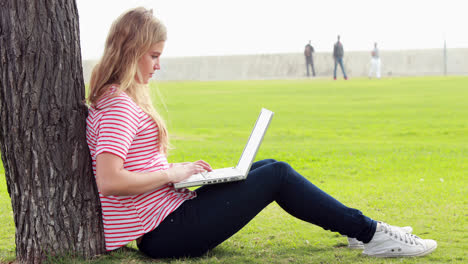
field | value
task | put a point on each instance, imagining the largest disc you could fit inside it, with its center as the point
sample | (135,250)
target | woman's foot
(353,243)
(389,241)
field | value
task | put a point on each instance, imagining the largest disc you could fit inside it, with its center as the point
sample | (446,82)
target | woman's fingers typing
(204,164)
(180,173)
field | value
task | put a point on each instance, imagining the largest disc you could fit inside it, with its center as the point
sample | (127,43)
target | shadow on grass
(221,254)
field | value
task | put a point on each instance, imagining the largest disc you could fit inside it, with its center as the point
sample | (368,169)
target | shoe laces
(400,235)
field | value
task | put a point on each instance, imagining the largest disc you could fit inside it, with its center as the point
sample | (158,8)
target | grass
(397,149)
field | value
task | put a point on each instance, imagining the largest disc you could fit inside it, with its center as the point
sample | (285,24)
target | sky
(234,27)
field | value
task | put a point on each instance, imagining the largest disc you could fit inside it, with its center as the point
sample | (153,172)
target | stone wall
(292,65)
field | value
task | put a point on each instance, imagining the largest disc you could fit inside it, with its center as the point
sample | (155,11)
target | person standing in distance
(338,53)
(375,63)
(308,53)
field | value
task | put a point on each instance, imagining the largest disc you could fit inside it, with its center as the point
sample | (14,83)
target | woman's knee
(278,170)
(268,161)
(261,163)
(283,166)
(286,173)
(275,171)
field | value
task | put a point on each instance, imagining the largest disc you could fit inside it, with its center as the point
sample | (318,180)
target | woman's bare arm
(113,179)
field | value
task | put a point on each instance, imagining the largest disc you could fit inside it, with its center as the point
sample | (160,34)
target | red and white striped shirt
(118,126)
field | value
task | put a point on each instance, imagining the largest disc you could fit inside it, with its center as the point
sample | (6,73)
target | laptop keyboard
(218,173)
(206,174)
(215,176)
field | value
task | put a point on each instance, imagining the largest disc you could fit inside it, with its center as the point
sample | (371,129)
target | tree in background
(43,143)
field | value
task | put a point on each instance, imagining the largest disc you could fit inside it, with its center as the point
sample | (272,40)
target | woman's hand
(184,170)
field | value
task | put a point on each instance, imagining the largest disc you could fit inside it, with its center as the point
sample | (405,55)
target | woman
(128,142)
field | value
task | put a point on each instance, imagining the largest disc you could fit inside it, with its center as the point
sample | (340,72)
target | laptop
(242,169)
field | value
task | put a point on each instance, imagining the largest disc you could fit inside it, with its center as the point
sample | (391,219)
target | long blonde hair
(130,37)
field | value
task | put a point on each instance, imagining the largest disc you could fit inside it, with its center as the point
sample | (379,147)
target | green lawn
(397,149)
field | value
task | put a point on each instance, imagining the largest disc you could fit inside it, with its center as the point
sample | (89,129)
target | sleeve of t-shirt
(117,128)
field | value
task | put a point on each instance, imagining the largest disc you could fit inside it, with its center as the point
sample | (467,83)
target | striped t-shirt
(118,126)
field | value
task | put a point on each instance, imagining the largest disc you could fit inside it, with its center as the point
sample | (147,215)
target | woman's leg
(302,199)
(221,210)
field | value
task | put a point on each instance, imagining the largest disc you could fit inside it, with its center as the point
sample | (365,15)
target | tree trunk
(43,118)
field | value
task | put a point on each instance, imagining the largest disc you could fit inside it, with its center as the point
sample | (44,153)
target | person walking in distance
(338,53)
(375,63)
(308,51)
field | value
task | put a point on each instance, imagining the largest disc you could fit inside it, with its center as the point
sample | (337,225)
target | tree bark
(42,135)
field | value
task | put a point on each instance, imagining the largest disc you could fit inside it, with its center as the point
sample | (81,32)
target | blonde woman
(128,142)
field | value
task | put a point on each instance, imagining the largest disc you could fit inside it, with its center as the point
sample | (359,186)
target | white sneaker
(389,241)
(353,243)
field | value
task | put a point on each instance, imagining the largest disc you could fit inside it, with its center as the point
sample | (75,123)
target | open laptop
(242,169)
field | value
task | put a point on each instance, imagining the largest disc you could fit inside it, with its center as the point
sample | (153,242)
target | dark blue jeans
(310,61)
(340,62)
(221,210)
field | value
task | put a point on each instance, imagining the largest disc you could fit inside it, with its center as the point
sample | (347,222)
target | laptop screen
(256,137)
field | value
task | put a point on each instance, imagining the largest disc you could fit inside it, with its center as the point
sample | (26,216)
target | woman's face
(149,63)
